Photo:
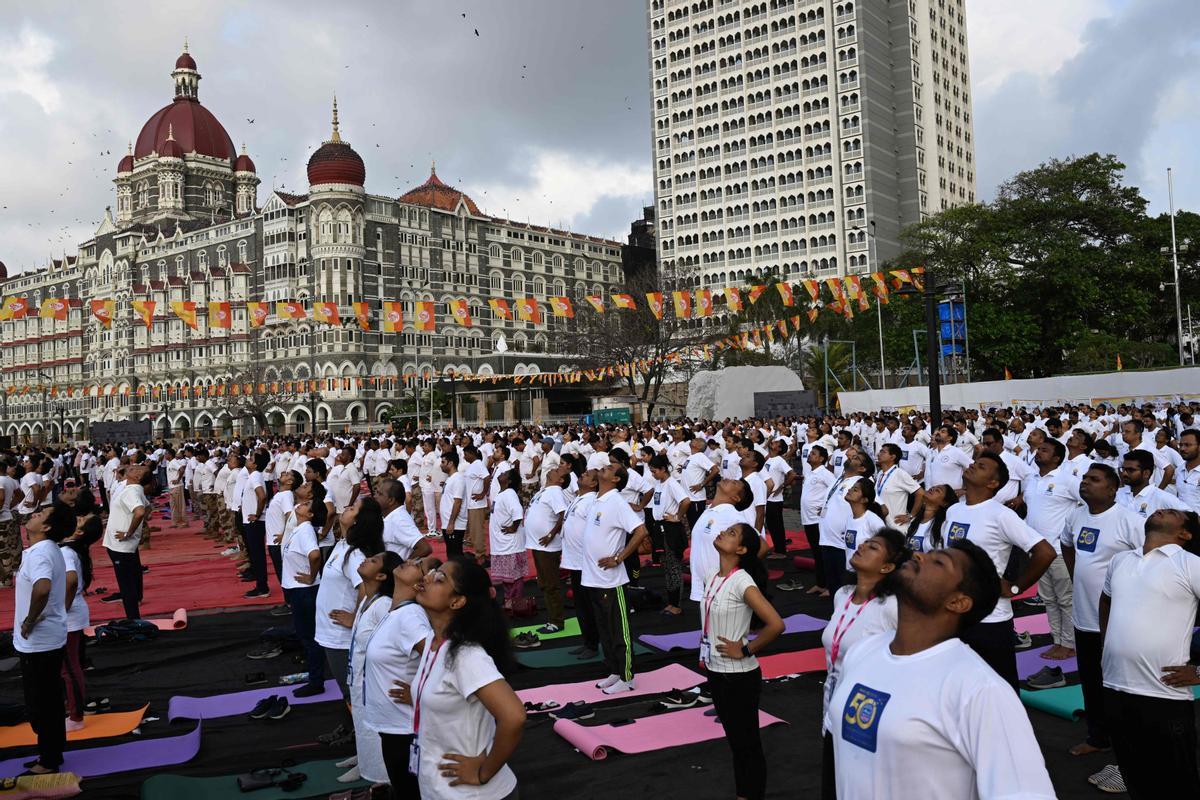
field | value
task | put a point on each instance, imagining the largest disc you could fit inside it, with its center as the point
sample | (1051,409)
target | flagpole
(878,309)
(1175,265)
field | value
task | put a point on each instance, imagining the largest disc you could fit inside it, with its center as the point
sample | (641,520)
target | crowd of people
(924,532)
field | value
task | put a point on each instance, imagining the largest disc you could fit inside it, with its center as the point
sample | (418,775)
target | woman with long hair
(362,524)
(301,583)
(466,718)
(866,608)
(733,600)
(925,529)
(76,551)
(866,517)
(378,585)
(275,517)
(389,666)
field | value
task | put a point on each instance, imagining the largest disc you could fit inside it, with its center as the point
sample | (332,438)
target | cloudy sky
(537,108)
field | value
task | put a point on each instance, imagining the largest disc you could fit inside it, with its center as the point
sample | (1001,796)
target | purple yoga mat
(146,754)
(229,705)
(690,640)
(1030,661)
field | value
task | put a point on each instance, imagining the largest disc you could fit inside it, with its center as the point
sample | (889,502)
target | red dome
(336,162)
(243,163)
(185,61)
(435,194)
(3,271)
(126,164)
(196,130)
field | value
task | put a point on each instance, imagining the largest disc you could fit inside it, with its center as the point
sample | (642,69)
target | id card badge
(705,649)
(830,685)
(414,757)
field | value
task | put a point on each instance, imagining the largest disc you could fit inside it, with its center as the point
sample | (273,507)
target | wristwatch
(1014,590)
(746,652)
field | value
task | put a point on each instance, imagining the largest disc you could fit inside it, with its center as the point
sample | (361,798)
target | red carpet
(186,571)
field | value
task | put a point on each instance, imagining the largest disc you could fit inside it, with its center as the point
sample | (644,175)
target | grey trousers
(1056,589)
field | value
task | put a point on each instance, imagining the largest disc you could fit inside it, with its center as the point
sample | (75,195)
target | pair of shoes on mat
(1047,678)
(96,706)
(270,650)
(1108,780)
(574,711)
(539,708)
(526,641)
(549,628)
(685,698)
(273,707)
(791,585)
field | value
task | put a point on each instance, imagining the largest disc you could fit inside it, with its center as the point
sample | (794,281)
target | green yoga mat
(560,657)
(322,781)
(570,628)
(1065,701)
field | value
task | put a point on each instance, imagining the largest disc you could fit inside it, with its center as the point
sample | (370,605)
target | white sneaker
(345,763)
(72,725)
(609,681)
(620,687)
(231,550)
(350,777)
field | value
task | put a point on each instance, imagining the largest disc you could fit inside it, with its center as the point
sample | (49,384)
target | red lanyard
(839,632)
(709,599)
(420,686)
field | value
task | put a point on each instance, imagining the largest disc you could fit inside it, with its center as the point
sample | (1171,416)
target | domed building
(188,227)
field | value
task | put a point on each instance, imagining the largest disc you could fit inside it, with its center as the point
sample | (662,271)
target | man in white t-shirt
(614,532)
(997,529)
(400,533)
(945,461)
(1139,494)
(698,471)
(917,714)
(1093,534)
(175,467)
(543,527)
(730,501)
(778,476)
(1149,607)
(453,511)
(475,474)
(127,513)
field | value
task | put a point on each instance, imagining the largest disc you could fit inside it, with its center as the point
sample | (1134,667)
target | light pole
(930,295)
(1175,265)
(873,266)
(45,407)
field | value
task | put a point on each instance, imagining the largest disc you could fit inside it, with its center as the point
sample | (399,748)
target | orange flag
(290,310)
(785,291)
(655,299)
(362,313)
(624,301)
(186,311)
(219,315)
(53,308)
(597,302)
(683,304)
(704,303)
(918,277)
(460,312)
(326,312)
(1120,366)
(500,308)
(836,289)
(879,287)
(528,310)
(756,292)
(257,312)
(733,298)
(1007,374)
(103,310)
(900,277)
(15,308)
(561,307)
(393,317)
(426,319)
(813,288)
(145,310)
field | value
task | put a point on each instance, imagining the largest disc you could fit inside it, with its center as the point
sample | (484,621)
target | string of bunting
(843,294)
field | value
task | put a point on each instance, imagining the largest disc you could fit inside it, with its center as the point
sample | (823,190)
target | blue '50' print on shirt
(1087,539)
(958,530)
(860,718)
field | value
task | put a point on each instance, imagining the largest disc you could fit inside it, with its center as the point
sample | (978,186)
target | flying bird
(476,33)
(250,120)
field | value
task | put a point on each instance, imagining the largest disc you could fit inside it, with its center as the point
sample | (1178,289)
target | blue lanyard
(880,483)
(834,489)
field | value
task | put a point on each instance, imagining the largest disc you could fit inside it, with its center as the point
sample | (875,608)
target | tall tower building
(801,136)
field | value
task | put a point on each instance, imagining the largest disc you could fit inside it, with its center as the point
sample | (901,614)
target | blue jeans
(303,601)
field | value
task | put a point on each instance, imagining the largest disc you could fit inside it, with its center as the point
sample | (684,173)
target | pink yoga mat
(777,665)
(176,622)
(1033,624)
(651,733)
(672,676)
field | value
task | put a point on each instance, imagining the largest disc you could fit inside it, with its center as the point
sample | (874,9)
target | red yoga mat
(804,562)
(651,733)
(777,665)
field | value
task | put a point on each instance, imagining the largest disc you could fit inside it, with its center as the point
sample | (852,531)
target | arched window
(242,251)
(143,194)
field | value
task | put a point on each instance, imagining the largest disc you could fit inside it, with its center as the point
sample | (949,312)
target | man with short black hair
(1139,494)
(918,714)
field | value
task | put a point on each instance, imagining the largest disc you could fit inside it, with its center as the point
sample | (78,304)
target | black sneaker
(280,611)
(332,736)
(586,653)
(265,652)
(1036,601)
(263,707)
(1047,678)
(574,711)
(309,690)
(789,586)
(257,593)
(680,699)
(1022,641)
(279,708)
(526,641)
(96,706)
(115,597)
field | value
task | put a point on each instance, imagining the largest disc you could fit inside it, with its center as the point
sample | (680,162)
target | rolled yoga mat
(1029,662)
(804,562)
(561,657)
(650,733)
(176,622)
(664,679)
(322,781)
(570,628)
(96,726)
(690,640)
(127,757)
(229,705)
(43,787)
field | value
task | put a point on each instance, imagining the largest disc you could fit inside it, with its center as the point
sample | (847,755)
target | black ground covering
(209,658)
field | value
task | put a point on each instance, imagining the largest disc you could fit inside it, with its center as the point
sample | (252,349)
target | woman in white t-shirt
(506,537)
(388,668)
(301,582)
(925,529)
(732,599)
(868,607)
(76,551)
(466,718)
(866,517)
(275,517)
(378,585)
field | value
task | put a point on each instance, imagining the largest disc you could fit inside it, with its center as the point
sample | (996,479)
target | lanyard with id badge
(414,750)
(705,644)
(835,647)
